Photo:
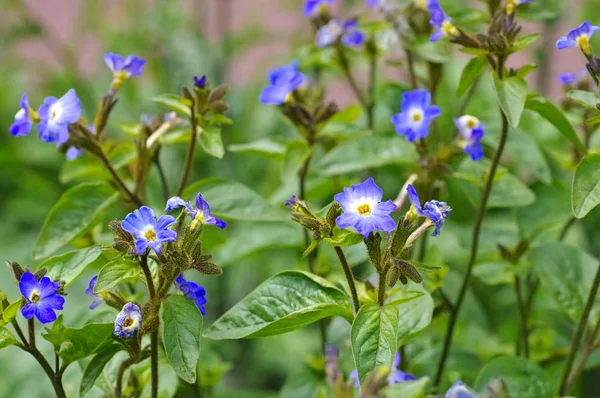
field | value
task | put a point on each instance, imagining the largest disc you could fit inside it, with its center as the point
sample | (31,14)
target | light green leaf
(415,313)
(231,199)
(525,153)
(344,237)
(95,368)
(174,103)
(296,153)
(180,329)
(586,99)
(347,115)
(407,389)
(522,378)
(524,42)
(303,385)
(585,191)
(210,140)
(365,153)
(6,338)
(511,94)
(285,302)
(526,69)
(55,334)
(374,338)
(265,147)
(549,112)
(76,211)
(85,341)
(115,272)
(87,168)
(10,312)
(470,73)
(67,267)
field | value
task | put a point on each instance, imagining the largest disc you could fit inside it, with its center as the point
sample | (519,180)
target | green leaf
(303,385)
(407,389)
(115,272)
(347,115)
(56,334)
(10,312)
(524,153)
(74,213)
(231,199)
(524,42)
(285,302)
(210,140)
(511,94)
(67,267)
(344,237)
(95,368)
(296,153)
(85,341)
(265,147)
(374,338)
(526,69)
(522,378)
(180,329)
(174,103)
(549,112)
(415,314)
(585,191)
(6,338)
(367,152)
(470,73)
(586,99)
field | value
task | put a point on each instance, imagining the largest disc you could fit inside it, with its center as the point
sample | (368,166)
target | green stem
(117,180)
(161,173)
(370,108)
(126,364)
(148,275)
(154,362)
(564,385)
(345,65)
(189,157)
(382,285)
(524,331)
(349,277)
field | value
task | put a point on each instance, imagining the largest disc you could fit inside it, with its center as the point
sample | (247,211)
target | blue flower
(90,292)
(73,152)
(569,78)
(472,131)
(364,210)
(350,35)
(512,4)
(459,390)
(149,232)
(442,24)
(371,3)
(123,68)
(396,375)
(200,82)
(128,321)
(41,296)
(283,82)
(200,215)
(313,7)
(56,115)
(579,37)
(437,212)
(428,5)
(416,116)
(292,202)
(22,124)
(193,291)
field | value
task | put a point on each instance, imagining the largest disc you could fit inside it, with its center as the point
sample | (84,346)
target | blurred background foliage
(171,35)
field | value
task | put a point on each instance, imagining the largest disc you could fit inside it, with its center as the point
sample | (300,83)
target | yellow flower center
(128,322)
(150,235)
(322,9)
(583,42)
(35,297)
(289,99)
(364,210)
(198,219)
(471,123)
(422,4)
(449,29)
(510,6)
(417,116)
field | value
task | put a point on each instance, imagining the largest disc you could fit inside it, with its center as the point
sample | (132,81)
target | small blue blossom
(579,37)
(396,375)
(442,24)
(128,321)
(472,131)
(200,215)
(428,5)
(192,291)
(416,116)
(314,7)
(512,4)
(348,31)
(123,68)
(55,116)
(42,298)
(459,390)
(22,124)
(292,201)
(371,3)
(200,82)
(364,210)
(283,82)
(90,292)
(149,232)
(437,212)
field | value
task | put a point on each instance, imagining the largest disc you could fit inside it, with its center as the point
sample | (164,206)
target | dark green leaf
(470,73)
(512,94)
(95,368)
(285,302)
(265,147)
(6,338)
(585,192)
(180,329)
(67,267)
(174,103)
(76,211)
(522,378)
(211,141)
(86,341)
(374,338)
(115,272)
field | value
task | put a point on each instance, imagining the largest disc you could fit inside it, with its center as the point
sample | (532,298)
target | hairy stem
(349,277)
(154,362)
(148,275)
(524,331)
(189,157)
(126,364)
(381,288)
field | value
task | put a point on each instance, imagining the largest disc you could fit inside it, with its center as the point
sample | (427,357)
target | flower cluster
(200,215)
(335,30)
(283,82)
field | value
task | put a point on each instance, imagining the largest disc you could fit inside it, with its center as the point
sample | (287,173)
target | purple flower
(364,210)
(472,131)
(442,24)
(22,124)
(90,292)
(579,37)
(200,215)
(371,3)
(396,375)
(149,232)
(416,116)
(73,152)
(200,82)
(128,321)
(350,35)
(512,4)
(283,82)
(459,390)
(41,296)
(437,212)
(192,291)
(123,68)
(56,115)
(292,202)
(313,7)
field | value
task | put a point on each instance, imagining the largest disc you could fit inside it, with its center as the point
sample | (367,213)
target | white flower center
(20,114)
(55,111)
(416,116)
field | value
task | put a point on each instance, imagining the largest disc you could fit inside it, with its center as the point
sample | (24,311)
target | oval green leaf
(6,338)
(85,341)
(522,378)
(115,272)
(585,191)
(95,368)
(470,73)
(67,267)
(210,140)
(511,94)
